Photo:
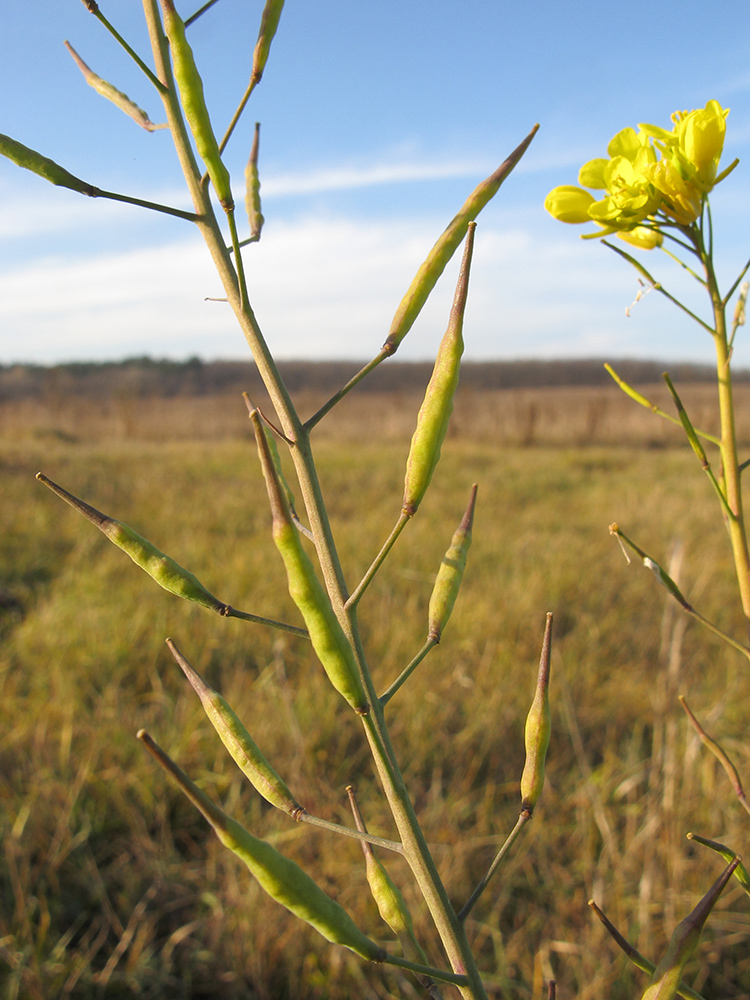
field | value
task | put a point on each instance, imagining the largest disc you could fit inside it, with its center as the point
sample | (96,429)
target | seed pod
(29,159)
(280,877)
(327,636)
(252,189)
(668,973)
(190,85)
(437,406)
(122,101)
(538,728)
(436,260)
(450,574)
(269,22)
(165,571)
(239,742)
(740,872)
(387,895)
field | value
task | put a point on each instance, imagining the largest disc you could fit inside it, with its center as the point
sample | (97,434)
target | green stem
(729,459)
(521,822)
(366,580)
(408,671)
(415,848)
(318,416)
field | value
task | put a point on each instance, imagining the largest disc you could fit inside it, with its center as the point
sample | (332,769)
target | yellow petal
(569,204)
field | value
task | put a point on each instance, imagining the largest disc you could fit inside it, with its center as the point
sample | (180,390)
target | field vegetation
(104,887)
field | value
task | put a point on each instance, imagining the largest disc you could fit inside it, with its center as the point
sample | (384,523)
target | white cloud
(325,287)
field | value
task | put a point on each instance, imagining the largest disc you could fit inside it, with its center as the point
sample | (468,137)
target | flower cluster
(652,177)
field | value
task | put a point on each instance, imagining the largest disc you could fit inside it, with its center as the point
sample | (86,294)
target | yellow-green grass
(113,886)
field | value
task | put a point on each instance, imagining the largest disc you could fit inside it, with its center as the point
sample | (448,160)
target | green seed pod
(450,574)
(437,405)
(740,872)
(29,159)
(388,898)
(665,981)
(252,189)
(269,22)
(165,571)
(327,636)
(239,742)
(122,101)
(538,728)
(280,877)
(190,86)
(434,265)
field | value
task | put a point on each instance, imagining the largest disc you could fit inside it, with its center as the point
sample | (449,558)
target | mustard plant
(317,581)
(654,189)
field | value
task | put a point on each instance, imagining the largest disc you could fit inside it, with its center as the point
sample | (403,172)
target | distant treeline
(139,377)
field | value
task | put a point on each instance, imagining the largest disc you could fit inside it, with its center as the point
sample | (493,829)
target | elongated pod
(668,973)
(160,567)
(120,100)
(29,159)
(252,189)
(239,742)
(538,728)
(451,573)
(327,636)
(446,245)
(190,85)
(437,405)
(269,22)
(279,876)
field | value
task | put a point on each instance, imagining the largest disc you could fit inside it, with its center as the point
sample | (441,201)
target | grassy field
(114,887)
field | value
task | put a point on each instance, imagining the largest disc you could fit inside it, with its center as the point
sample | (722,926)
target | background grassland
(112,885)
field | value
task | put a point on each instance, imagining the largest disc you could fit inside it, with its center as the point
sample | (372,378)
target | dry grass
(114,888)
(555,416)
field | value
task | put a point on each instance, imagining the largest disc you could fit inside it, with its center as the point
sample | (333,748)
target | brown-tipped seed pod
(120,100)
(164,570)
(269,22)
(252,189)
(668,973)
(437,405)
(538,728)
(239,742)
(437,259)
(450,574)
(190,85)
(280,877)
(29,159)
(327,636)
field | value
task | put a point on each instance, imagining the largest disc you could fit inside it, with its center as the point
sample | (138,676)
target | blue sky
(377,120)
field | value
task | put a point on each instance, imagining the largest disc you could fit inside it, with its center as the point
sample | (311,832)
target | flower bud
(569,204)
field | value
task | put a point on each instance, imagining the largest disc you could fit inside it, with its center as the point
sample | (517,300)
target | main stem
(416,850)
(729,459)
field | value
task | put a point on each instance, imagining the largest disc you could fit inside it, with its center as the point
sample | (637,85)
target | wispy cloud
(327,287)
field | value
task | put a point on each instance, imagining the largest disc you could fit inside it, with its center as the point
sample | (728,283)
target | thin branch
(355,380)
(94,9)
(522,820)
(426,970)
(154,206)
(348,831)
(733,289)
(378,562)
(245,616)
(202,10)
(408,671)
